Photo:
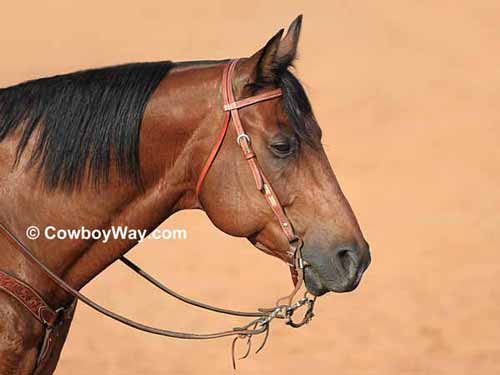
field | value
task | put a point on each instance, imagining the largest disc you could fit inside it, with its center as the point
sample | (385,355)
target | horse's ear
(265,66)
(262,65)
(287,50)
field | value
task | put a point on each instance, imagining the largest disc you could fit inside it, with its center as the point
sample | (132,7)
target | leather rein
(260,325)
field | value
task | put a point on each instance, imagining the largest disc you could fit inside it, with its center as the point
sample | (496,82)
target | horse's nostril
(347,260)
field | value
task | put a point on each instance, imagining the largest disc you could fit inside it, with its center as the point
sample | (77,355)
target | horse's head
(287,141)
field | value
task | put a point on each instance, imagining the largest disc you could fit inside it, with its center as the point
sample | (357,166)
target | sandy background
(408,96)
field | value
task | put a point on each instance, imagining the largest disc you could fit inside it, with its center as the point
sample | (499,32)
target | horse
(126,145)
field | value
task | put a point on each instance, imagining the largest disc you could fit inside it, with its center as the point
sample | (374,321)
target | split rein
(285,307)
(259,326)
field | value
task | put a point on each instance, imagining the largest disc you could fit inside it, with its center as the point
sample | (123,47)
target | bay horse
(126,146)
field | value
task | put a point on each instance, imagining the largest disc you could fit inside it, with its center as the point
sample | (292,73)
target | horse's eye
(282,148)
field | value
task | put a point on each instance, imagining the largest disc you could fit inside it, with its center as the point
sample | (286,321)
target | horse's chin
(313,282)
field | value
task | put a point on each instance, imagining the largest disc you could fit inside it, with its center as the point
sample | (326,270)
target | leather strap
(29,298)
(50,337)
(213,154)
(231,106)
(253,99)
(40,310)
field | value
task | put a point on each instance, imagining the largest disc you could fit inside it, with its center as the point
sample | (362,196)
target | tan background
(407,93)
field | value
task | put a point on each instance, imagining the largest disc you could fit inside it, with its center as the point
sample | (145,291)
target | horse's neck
(175,137)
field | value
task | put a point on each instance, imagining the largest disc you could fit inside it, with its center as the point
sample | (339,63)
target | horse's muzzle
(338,271)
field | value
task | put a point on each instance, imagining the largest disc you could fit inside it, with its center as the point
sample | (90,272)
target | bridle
(231,107)
(285,307)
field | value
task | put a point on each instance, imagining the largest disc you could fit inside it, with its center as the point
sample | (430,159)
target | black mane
(86,120)
(89,121)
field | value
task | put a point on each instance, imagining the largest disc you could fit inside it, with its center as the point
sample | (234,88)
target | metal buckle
(60,315)
(296,244)
(241,136)
(301,263)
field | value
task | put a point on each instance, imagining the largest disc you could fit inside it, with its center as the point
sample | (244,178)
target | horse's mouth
(318,280)
(318,285)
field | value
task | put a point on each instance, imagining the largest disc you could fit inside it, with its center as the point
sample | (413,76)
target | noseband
(284,308)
